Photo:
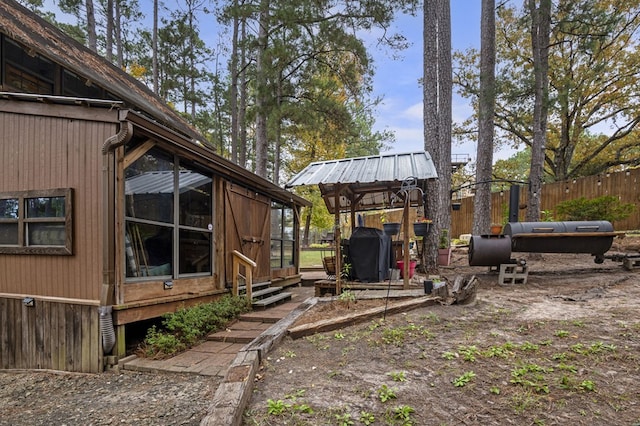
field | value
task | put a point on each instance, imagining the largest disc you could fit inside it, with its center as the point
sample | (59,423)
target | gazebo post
(337,239)
(405,243)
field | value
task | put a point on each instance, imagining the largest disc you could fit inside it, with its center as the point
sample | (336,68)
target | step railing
(237,260)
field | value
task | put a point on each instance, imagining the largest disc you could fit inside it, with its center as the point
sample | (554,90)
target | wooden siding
(40,151)
(49,335)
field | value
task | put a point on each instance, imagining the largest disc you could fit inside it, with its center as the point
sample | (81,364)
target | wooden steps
(265,296)
(252,324)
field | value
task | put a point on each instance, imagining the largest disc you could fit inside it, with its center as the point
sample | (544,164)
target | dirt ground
(564,348)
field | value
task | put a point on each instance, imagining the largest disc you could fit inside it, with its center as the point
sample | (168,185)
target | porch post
(337,238)
(405,242)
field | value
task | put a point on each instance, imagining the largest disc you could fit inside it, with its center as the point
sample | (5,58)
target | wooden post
(337,239)
(405,242)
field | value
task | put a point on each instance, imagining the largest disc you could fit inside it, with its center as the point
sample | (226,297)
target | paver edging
(233,394)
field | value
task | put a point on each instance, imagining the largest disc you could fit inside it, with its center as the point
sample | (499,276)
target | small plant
(464,379)
(385,393)
(468,353)
(443,242)
(344,419)
(528,346)
(185,327)
(494,390)
(398,376)
(403,413)
(367,418)
(449,355)
(345,273)
(587,385)
(277,407)
(561,333)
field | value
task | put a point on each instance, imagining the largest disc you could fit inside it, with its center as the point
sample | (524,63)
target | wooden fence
(624,185)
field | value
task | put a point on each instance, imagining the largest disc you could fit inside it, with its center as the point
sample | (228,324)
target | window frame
(176,227)
(281,239)
(23,222)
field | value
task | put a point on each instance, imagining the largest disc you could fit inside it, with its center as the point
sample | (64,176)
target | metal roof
(162,182)
(367,183)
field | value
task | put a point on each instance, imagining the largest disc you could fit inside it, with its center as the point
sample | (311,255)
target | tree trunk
(91,26)
(154,47)
(445,84)
(118,28)
(430,120)
(242,108)
(109,34)
(437,122)
(233,89)
(261,92)
(540,33)
(486,107)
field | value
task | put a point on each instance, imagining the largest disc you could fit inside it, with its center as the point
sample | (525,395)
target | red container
(412,267)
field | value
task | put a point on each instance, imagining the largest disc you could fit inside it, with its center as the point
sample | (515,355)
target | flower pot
(412,267)
(421,229)
(455,206)
(444,256)
(496,229)
(391,228)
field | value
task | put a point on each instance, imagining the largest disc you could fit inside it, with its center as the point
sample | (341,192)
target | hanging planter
(391,228)
(421,229)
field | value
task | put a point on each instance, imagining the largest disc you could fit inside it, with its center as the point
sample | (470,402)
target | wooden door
(247,229)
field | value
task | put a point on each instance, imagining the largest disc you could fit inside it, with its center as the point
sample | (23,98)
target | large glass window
(36,222)
(168,217)
(282,236)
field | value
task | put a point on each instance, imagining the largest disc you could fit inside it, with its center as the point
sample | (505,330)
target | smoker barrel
(489,250)
(592,237)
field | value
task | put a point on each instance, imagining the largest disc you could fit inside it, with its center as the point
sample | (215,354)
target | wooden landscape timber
(463,291)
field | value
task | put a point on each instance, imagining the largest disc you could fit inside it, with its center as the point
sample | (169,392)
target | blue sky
(397,80)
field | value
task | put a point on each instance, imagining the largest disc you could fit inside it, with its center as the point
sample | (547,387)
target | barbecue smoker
(589,237)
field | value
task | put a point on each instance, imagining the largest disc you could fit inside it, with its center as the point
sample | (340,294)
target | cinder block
(631,263)
(513,274)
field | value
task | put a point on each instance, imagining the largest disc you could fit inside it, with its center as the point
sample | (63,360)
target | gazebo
(352,185)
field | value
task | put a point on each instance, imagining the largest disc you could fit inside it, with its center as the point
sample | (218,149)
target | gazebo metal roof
(367,183)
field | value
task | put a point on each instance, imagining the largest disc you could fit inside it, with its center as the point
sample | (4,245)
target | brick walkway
(213,357)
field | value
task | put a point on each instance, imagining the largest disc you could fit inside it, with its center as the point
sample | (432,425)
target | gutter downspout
(109,192)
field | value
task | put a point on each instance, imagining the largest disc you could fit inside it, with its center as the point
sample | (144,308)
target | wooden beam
(358,317)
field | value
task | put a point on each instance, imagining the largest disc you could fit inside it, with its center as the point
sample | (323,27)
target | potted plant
(496,229)
(421,227)
(444,249)
(389,228)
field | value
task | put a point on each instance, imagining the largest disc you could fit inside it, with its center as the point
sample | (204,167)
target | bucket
(412,267)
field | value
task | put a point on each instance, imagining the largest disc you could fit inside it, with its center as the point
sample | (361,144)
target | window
(27,71)
(282,236)
(168,217)
(36,222)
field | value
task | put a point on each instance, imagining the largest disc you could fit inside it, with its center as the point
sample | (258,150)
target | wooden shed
(112,210)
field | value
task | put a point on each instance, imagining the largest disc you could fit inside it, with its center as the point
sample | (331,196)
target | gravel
(115,397)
